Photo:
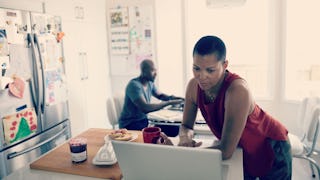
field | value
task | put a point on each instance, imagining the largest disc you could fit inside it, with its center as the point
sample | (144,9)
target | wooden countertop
(59,159)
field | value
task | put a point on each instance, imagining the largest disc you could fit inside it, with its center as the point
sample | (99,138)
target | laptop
(140,161)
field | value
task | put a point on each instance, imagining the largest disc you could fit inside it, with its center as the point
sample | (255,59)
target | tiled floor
(301,170)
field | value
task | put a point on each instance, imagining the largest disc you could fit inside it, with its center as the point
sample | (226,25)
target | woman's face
(208,71)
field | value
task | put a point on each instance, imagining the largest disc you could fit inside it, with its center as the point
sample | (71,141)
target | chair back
(305,114)
(118,100)
(301,114)
(112,114)
(304,148)
(312,133)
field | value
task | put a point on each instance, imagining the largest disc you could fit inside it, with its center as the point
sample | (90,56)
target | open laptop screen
(140,161)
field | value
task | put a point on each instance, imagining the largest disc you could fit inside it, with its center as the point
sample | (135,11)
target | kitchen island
(57,163)
(26,173)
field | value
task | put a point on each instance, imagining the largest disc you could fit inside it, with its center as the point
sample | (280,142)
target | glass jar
(78,148)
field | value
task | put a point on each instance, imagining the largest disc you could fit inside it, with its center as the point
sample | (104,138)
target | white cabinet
(77,93)
(85,50)
(77,10)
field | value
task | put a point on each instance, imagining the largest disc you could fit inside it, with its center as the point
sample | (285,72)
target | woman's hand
(186,138)
(189,142)
(164,139)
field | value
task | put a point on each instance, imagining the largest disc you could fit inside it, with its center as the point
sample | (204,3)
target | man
(137,102)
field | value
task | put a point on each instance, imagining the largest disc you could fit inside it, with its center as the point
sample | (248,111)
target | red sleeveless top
(258,155)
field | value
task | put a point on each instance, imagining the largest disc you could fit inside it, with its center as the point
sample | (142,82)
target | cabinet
(77,10)
(85,50)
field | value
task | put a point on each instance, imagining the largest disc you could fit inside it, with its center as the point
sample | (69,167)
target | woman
(227,105)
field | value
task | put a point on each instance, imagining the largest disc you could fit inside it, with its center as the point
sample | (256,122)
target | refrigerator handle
(15,154)
(43,88)
(32,89)
(35,82)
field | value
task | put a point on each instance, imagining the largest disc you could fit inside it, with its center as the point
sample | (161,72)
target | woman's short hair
(210,45)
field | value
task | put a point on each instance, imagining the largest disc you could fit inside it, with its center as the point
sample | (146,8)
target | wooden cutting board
(59,159)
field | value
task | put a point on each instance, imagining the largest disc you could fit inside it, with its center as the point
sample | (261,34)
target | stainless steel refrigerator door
(20,65)
(29,150)
(54,114)
(52,81)
(9,105)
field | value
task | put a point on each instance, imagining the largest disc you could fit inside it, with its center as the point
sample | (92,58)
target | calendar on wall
(131,38)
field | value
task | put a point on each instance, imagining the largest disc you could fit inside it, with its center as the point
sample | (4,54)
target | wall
(285,111)
(29,5)
(168,44)
(118,61)
(170,47)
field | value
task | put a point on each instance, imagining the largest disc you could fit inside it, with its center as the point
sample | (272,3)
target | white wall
(168,44)
(284,111)
(169,47)
(119,81)
(29,5)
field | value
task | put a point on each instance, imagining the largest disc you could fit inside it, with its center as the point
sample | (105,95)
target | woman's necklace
(211,97)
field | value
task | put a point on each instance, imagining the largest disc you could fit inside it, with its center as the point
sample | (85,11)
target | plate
(95,162)
(108,160)
(134,137)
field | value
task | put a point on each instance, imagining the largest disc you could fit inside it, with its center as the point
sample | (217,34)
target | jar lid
(78,141)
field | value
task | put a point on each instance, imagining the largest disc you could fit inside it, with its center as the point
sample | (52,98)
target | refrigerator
(34,116)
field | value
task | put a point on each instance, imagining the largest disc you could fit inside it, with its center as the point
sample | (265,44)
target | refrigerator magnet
(59,36)
(19,125)
(16,88)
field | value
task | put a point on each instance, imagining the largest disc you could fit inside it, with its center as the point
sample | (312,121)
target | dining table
(172,118)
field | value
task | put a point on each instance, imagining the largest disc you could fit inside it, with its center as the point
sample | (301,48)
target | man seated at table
(137,102)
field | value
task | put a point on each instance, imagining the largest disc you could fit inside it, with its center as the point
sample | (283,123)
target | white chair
(114,108)
(112,114)
(304,148)
(118,100)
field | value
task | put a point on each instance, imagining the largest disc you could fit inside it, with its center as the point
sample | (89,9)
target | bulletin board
(131,37)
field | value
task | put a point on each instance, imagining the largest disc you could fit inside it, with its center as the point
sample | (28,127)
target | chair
(118,100)
(114,108)
(112,115)
(304,148)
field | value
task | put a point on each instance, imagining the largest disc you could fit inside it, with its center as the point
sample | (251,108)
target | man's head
(148,71)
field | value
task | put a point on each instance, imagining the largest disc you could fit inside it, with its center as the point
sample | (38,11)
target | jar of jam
(78,148)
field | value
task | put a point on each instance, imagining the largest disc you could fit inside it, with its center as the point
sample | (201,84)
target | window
(245,31)
(302,65)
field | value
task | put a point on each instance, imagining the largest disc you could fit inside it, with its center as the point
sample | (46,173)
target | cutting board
(59,159)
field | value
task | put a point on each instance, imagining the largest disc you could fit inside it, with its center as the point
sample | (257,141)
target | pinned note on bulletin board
(131,38)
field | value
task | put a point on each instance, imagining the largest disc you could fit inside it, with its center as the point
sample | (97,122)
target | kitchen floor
(301,169)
